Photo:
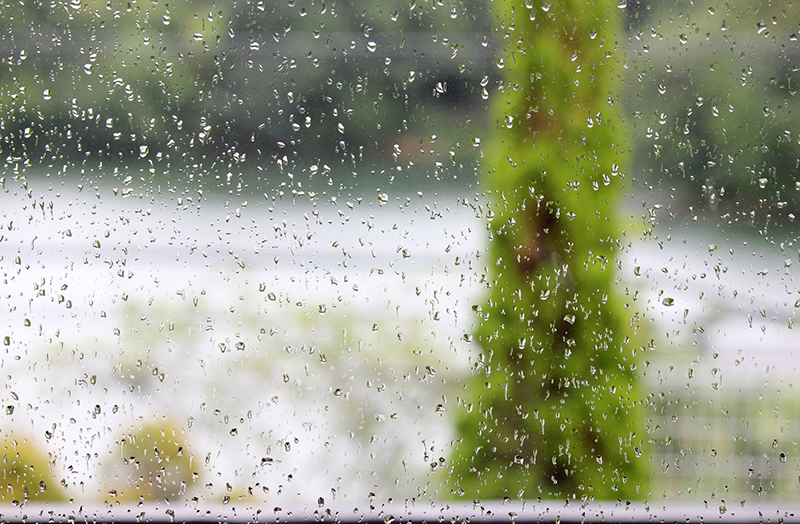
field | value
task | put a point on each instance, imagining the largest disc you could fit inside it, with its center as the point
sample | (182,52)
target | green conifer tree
(552,404)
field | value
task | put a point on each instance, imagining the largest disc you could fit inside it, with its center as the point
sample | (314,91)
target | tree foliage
(125,79)
(551,407)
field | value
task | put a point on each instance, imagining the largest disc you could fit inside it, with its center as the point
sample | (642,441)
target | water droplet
(622,4)
(255,46)
(372,46)
(165,19)
(46,94)
(143,150)
(668,301)
(762,182)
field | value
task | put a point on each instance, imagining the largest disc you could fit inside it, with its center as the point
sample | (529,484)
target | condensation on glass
(244,247)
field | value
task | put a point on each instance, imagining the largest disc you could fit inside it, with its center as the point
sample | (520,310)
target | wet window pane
(308,254)
(713,113)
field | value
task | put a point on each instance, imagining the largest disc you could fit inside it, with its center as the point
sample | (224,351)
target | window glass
(712,112)
(240,245)
(307,254)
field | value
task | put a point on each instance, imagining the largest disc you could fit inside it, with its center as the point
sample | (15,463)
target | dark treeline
(709,92)
(712,98)
(144,79)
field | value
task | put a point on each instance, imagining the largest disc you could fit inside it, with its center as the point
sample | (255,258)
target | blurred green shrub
(26,473)
(156,465)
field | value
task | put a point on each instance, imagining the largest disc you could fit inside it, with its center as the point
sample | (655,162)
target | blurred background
(241,245)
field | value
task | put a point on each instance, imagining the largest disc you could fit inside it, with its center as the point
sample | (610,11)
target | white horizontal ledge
(568,512)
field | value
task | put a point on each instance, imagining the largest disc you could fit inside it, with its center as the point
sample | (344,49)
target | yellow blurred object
(155,464)
(26,473)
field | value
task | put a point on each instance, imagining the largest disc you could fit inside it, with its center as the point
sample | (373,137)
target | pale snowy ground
(324,335)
